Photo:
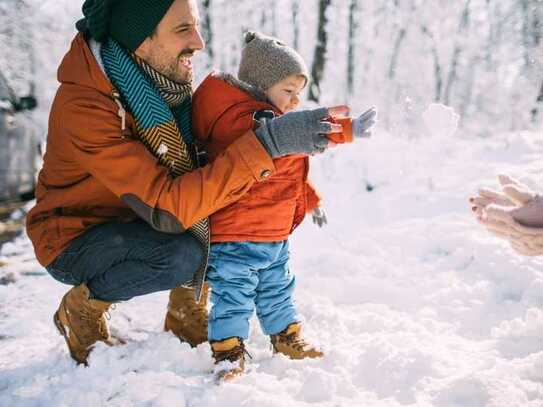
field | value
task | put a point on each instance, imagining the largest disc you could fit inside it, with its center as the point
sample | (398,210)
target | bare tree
(396,53)
(353,27)
(437,65)
(319,59)
(207,31)
(274,18)
(268,19)
(296,22)
(462,26)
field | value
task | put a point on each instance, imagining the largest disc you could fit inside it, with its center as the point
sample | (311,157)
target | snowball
(440,119)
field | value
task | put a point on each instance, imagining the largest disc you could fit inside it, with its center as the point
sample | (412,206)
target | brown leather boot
(233,351)
(186,318)
(290,343)
(81,321)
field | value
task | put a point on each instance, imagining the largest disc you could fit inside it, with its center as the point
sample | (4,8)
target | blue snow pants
(243,275)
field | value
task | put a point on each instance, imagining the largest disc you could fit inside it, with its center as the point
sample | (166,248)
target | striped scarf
(162,111)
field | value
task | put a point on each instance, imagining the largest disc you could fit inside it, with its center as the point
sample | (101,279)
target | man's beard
(174,72)
(171,68)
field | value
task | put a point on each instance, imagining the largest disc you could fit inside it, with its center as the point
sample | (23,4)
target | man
(515,214)
(121,205)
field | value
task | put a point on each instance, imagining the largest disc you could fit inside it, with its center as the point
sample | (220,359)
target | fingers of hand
(495,213)
(499,229)
(477,210)
(499,213)
(318,150)
(367,124)
(321,141)
(480,201)
(369,114)
(505,179)
(526,249)
(330,128)
(321,113)
(522,249)
(495,197)
(518,195)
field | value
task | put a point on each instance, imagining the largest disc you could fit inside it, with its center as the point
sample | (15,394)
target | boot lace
(93,319)
(294,340)
(232,355)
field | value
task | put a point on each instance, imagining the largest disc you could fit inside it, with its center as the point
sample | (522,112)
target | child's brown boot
(289,342)
(229,350)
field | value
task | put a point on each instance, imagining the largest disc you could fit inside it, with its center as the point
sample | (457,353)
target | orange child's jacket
(95,171)
(223,110)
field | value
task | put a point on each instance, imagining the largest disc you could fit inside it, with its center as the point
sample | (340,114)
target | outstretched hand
(515,214)
(299,132)
(363,124)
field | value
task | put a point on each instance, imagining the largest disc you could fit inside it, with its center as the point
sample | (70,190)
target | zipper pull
(121,113)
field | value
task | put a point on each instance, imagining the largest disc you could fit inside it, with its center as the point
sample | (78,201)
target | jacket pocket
(268,210)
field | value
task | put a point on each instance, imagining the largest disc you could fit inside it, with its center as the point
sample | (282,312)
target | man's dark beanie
(129,22)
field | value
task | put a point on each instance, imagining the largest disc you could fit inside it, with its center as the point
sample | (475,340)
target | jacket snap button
(265,173)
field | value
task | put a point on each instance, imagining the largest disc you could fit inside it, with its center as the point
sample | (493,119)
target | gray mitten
(362,124)
(302,132)
(319,217)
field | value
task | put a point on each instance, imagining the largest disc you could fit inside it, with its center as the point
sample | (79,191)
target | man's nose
(196,41)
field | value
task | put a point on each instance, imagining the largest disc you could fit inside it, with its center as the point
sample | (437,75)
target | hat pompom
(250,36)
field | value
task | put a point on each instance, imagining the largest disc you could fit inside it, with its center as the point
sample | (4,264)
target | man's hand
(363,124)
(319,217)
(301,132)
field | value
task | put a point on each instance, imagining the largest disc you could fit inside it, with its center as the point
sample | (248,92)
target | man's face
(176,39)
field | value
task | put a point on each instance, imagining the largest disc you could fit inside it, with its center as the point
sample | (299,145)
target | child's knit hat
(266,61)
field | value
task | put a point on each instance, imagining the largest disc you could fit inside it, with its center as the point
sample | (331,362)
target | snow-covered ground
(413,303)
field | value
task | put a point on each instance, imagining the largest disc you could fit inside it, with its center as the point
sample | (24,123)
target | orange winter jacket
(223,109)
(95,172)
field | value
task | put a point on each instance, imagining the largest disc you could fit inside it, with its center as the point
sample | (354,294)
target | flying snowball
(441,120)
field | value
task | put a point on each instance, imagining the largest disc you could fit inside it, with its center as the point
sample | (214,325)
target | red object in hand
(346,136)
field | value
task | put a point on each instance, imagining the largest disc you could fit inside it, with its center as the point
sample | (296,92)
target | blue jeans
(242,275)
(119,261)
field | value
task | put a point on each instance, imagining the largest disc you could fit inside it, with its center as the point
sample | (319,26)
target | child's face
(285,94)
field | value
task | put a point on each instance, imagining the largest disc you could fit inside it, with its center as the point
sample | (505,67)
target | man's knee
(184,256)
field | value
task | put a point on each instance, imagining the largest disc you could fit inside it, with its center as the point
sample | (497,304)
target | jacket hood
(79,67)
(220,92)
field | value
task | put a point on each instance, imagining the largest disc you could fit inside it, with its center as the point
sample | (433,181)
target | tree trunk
(353,28)
(274,19)
(464,23)
(207,31)
(396,53)
(319,59)
(437,66)
(538,105)
(296,23)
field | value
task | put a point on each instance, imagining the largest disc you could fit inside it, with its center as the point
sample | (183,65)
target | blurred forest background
(484,58)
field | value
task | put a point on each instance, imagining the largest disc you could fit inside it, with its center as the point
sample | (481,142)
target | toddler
(248,263)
